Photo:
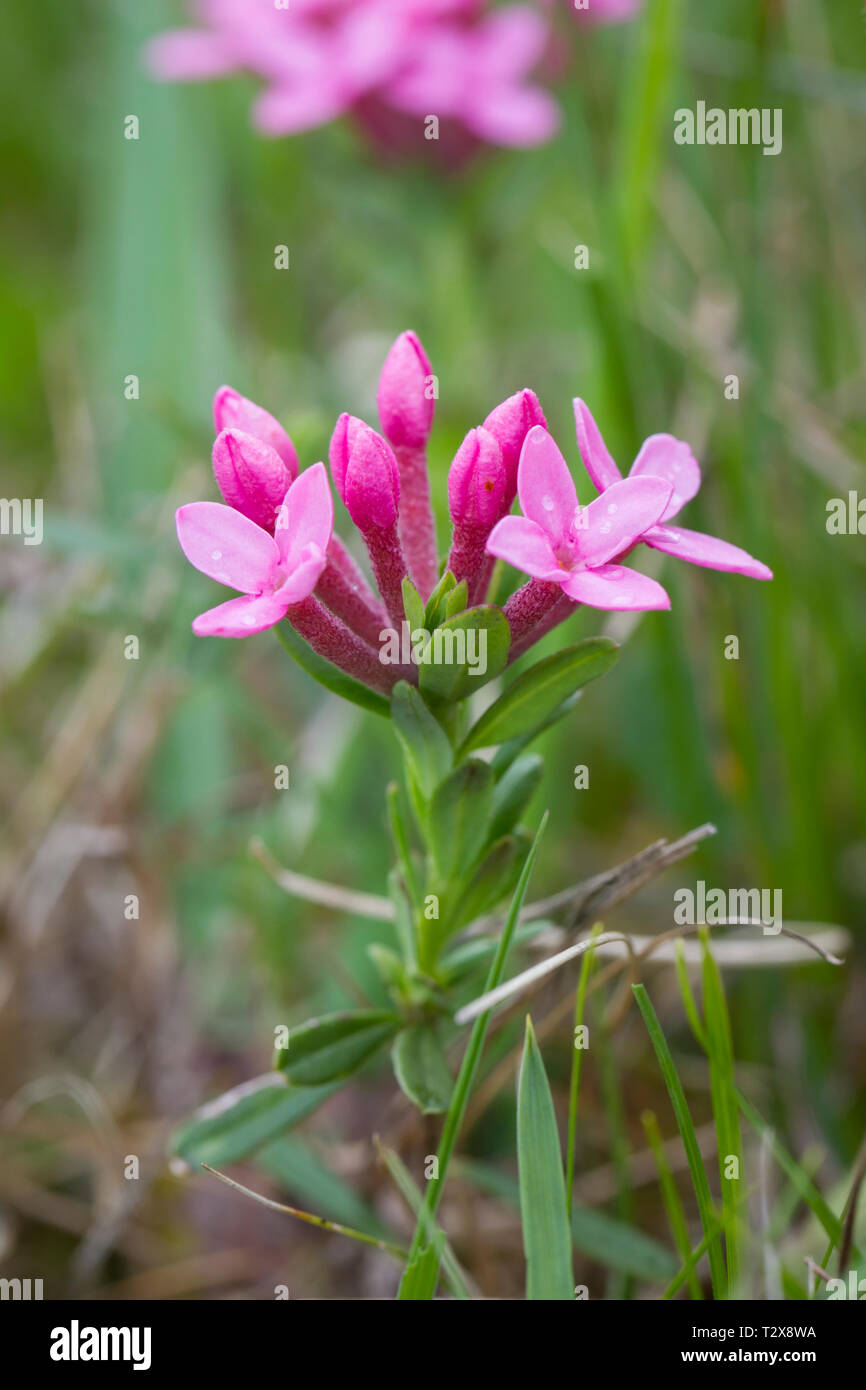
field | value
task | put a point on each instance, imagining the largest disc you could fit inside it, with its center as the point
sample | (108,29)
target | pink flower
(476,482)
(510,422)
(404,400)
(321,59)
(271,572)
(663,456)
(231,410)
(251,476)
(561,543)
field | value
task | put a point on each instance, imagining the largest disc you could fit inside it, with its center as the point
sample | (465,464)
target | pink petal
(593,450)
(227,546)
(708,551)
(663,456)
(512,116)
(190,55)
(304,577)
(545,486)
(302,106)
(614,586)
(306,516)
(619,517)
(526,546)
(240,617)
(511,41)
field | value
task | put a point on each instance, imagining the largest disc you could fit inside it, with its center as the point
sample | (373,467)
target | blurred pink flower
(563,544)
(321,59)
(663,456)
(272,572)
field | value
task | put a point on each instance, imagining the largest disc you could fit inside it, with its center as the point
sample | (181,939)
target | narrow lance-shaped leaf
(688,1136)
(423,740)
(536,694)
(238,1124)
(464,653)
(421,1069)
(330,1048)
(331,677)
(543,1211)
(459,818)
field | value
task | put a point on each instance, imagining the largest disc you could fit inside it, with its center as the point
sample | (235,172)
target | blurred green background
(155,258)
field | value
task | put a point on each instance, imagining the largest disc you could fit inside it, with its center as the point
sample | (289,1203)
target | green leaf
(423,740)
(224,1134)
(513,792)
(434,611)
(543,1212)
(605,1239)
(421,1069)
(481,633)
(413,605)
(421,1274)
(459,818)
(525,706)
(507,752)
(687,1134)
(331,1048)
(493,880)
(469,955)
(725,1111)
(457,600)
(413,1199)
(307,1177)
(620,1246)
(331,677)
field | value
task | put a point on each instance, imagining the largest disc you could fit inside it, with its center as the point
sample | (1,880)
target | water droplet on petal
(216,554)
(611,508)
(547,502)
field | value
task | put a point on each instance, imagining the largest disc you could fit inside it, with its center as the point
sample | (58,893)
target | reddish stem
(562,608)
(468,559)
(330,637)
(526,608)
(389,568)
(344,597)
(417,524)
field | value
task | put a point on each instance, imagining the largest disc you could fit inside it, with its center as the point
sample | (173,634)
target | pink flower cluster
(465,63)
(273,540)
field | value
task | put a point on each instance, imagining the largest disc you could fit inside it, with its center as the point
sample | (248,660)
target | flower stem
(389,568)
(526,608)
(347,600)
(472,1056)
(330,637)
(417,524)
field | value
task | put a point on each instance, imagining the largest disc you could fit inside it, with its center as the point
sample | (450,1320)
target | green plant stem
(577,1057)
(471,1057)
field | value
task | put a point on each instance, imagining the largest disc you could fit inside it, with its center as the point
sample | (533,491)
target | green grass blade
(472,1056)
(725,1111)
(687,1134)
(543,1209)
(576,1059)
(672,1201)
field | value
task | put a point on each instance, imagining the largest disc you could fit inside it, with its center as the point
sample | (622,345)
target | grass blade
(687,1134)
(543,1209)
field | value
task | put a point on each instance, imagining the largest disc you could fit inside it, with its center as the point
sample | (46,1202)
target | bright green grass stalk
(672,1201)
(725,1112)
(689,1138)
(620,1284)
(700,1250)
(576,1059)
(471,1058)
